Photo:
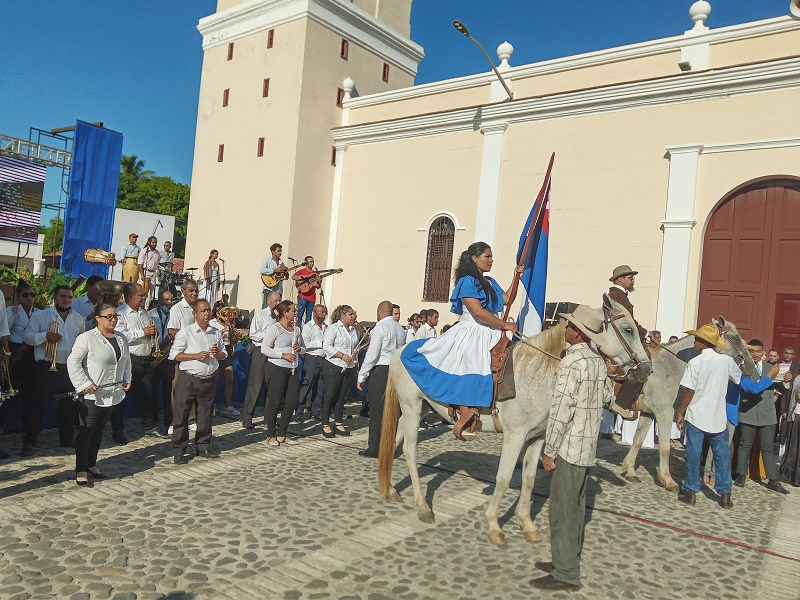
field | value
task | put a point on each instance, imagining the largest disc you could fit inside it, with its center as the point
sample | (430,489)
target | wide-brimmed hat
(710,334)
(622,271)
(589,320)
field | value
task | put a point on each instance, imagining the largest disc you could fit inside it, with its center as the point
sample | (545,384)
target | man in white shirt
(428,328)
(48,383)
(396,312)
(312,386)
(386,337)
(197,349)
(84,305)
(256,383)
(149,263)
(182,315)
(164,371)
(134,324)
(703,414)
(273,265)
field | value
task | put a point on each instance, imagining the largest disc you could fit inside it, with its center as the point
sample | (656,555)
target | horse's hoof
(533,536)
(426,517)
(633,479)
(673,487)
(394,496)
(497,538)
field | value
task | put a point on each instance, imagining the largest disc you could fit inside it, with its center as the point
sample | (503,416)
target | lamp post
(462,29)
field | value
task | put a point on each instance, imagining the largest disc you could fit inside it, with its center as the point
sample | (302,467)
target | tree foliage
(56,226)
(133,165)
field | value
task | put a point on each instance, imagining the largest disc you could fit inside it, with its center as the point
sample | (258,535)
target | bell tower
(270,92)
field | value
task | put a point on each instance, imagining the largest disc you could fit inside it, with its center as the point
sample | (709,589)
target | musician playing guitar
(306,298)
(273,265)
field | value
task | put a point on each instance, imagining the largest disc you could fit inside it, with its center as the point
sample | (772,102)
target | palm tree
(133,165)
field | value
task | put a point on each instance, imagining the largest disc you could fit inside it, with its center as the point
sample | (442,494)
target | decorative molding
(489,182)
(758,145)
(442,213)
(343,18)
(336,207)
(678,223)
(589,59)
(783,74)
(493,128)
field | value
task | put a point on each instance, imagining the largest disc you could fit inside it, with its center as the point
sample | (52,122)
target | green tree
(55,230)
(133,165)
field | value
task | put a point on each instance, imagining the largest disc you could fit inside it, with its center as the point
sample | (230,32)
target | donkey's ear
(714,321)
(720,321)
(607,301)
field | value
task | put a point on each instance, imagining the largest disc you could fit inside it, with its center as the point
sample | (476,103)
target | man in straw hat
(582,386)
(703,413)
(622,281)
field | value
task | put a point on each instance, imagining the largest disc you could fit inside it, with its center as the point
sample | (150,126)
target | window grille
(439,262)
(344,49)
(230,51)
(265,88)
(270,38)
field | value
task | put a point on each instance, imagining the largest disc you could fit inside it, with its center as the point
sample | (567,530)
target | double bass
(306,283)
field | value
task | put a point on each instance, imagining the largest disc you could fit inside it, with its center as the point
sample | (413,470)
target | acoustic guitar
(278,276)
(310,282)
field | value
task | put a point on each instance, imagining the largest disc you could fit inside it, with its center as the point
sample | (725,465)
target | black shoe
(343,431)
(248,424)
(27,450)
(367,454)
(99,475)
(364,413)
(725,501)
(4,455)
(547,567)
(548,582)
(67,444)
(775,486)
(82,483)
(119,437)
(739,481)
(688,497)
(329,434)
(180,460)
(208,454)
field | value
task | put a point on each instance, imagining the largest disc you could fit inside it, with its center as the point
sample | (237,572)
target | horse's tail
(391,416)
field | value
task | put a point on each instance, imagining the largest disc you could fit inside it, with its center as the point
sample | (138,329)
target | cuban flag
(533,254)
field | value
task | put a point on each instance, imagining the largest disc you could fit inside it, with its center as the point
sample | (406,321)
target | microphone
(220,259)
(294,260)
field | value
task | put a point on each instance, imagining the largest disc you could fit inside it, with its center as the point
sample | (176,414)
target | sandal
(82,478)
(273,441)
(288,441)
(342,430)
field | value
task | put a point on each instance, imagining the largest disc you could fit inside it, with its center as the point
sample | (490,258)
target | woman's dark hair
(281,309)
(413,317)
(340,310)
(22,285)
(466,266)
(101,306)
(210,254)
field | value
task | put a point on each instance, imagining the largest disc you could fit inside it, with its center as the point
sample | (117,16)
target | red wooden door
(751,263)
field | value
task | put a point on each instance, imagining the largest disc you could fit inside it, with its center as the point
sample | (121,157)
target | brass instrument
(99,256)
(6,388)
(111,290)
(156,352)
(51,348)
(226,315)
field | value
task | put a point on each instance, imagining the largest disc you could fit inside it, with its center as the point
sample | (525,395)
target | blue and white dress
(456,368)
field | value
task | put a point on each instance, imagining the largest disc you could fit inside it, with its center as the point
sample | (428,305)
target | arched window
(439,263)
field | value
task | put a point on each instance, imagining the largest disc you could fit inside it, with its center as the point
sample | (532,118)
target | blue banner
(93,184)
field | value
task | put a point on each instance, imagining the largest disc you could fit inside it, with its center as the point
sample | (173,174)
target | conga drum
(130,270)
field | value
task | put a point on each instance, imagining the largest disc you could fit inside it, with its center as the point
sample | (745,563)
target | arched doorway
(751,262)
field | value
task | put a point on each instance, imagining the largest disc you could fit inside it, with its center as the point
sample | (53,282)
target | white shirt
(36,332)
(180,315)
(149,259)
(130,251)
(386,337)
(708,374)
(84,307)
(338,339)
(193,339)
(93,360)
(410,334)
(425,331)
(130,325)
(18,320)
(161,320)
(619,287)
(268,267)
(278,341)
(261,320)
(313,337)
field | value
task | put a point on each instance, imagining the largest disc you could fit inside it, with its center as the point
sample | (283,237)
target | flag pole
(537,217)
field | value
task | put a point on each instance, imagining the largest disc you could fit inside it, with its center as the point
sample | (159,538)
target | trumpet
(155,348)
(6,388)
(226,315)
(51,348)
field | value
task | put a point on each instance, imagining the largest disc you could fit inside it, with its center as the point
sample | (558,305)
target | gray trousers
(567,513)
(256,385)
(766,435)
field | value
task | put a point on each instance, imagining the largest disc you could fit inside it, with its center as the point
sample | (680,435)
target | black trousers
(192,391)
(312,387)
(766,435)
(163,374)
(282,397)
(22,376)
(337,384)
(117,417)
(91,422)
(256,385)
(375,396)
(142,390)
(47,384)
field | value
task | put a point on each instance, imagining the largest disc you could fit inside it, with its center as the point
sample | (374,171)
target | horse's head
(621,344)
(736,346)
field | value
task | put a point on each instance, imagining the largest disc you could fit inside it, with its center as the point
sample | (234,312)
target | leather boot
(463,427)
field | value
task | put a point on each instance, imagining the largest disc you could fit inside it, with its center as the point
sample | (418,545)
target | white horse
(523,418)
(660,393)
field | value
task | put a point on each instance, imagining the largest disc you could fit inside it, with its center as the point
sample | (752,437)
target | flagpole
(537,217)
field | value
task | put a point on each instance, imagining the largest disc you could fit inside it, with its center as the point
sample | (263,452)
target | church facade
(678,156)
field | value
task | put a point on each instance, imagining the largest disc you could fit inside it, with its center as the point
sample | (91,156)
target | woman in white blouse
(99,367)
(280,345)
(22,361)
(339,344)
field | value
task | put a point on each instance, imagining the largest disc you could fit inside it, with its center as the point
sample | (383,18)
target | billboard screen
(21,188)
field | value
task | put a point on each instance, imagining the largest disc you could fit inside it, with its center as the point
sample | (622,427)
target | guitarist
(271,266)
(307,299)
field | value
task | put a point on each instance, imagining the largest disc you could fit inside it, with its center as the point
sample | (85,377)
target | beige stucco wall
(758,49)
(395,13)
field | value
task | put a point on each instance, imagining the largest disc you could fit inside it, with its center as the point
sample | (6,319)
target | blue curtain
(93,184)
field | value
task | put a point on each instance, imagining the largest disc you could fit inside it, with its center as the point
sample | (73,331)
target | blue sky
(136,66)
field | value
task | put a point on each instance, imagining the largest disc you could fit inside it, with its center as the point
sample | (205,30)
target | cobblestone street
(304,521)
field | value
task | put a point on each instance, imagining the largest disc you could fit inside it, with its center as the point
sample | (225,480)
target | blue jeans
(304,306)
(722,460)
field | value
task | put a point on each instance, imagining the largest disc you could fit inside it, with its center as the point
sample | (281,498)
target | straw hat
(622,271)
(710,334)
(587,319)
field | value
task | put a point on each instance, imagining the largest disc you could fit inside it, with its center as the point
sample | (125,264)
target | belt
(200,377)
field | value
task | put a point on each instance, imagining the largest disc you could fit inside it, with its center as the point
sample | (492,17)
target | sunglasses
(27,295)
(109,317)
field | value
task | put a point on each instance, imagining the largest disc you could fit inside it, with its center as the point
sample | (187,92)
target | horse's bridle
(724,332)
(633,363)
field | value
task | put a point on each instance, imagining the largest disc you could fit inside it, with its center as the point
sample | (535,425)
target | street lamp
(462,29)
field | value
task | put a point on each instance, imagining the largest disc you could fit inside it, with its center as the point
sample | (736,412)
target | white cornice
(343,18)
(589,59)
(692,87)
(757,145)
